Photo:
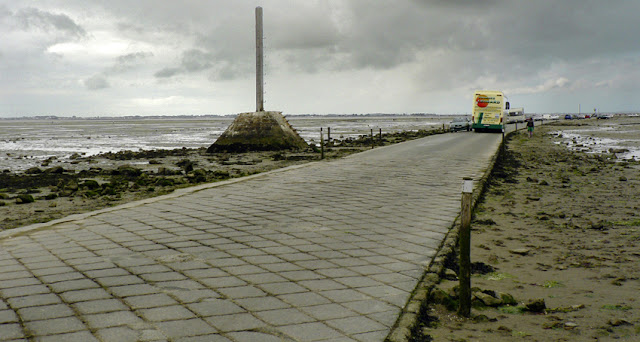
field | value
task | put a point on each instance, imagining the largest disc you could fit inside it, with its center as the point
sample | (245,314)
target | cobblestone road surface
(325,252)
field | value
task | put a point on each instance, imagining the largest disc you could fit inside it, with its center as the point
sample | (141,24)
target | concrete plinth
(258,131)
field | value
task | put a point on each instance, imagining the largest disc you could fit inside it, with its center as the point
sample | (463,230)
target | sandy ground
(557,227)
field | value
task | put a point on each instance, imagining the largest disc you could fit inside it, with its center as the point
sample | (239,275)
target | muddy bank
(58,188)
(556,248)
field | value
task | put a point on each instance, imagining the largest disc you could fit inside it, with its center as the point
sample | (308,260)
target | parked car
(568,117)
(460,124)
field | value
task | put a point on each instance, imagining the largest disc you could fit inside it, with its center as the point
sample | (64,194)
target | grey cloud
(33,18)
(167,72)
(129,61)
(96,82)
(193,60)
(196,60)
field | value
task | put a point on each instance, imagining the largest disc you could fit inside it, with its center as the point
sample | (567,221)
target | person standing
(530,127)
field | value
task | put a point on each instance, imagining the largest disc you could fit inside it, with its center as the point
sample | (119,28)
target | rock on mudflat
(258,131)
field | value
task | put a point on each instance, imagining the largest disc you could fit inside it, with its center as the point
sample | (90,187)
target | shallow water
(618,134)
(26,143)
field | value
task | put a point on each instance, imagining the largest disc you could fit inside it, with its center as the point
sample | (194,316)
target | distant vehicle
(514,115)
(460,124)
(568,117)
(488,111)
(604,116)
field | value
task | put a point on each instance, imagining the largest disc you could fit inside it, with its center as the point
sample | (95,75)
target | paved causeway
(325,252)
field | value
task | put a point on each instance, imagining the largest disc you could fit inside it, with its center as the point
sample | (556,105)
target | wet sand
(559,231)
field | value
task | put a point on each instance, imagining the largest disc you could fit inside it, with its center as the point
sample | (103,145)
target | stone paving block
(328,311)
(179,285)
(112,319)
(164,276)
(284,317)
(118,334)
(235,322)
(79,336)
(37,313)
(184,328)
(282,288)
(261,303)
(33,300)
(356,282)
(301,275)
(139,270)
(241,292)
(211,338)
(223,282)
(97,264)
(192,296)
(99,306)
(311,332)
(322,285)
(304,299)
(11,331)
(372,336)
(149,301)
(8,275)
(282,266)
(24,291)
(8,316)
(108,272)
(207,272)
(355,325)
(262,278)
(166,313)
(215,307)
(344,295)
(134,290)
(84,295)
(54,278)
(55,326)
(6,284)
(71,285)
(369,306)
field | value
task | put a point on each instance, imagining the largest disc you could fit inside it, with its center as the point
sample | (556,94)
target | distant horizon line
(152,116)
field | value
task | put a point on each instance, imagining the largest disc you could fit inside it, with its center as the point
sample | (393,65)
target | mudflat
(58,188)
(555,247)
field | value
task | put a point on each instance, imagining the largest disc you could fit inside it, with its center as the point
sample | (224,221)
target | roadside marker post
(321,144)
(464,242)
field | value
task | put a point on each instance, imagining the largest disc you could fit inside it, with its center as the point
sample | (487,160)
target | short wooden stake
(321,144)
(328,134)
(464,274)
(372,143)
(380,136)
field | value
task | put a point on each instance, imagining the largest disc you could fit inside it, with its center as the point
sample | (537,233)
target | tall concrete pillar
(259,62)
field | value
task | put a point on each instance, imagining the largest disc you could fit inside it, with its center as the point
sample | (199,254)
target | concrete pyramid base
(258,131)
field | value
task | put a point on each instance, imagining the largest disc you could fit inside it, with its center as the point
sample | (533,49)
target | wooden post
(372,139)
(259,62)
(321,144)
(380,136)
(328,134)
(464,275)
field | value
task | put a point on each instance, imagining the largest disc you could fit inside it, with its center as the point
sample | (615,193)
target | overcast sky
(167,57)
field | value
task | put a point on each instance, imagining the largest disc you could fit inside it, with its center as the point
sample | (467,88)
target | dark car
(568,117)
